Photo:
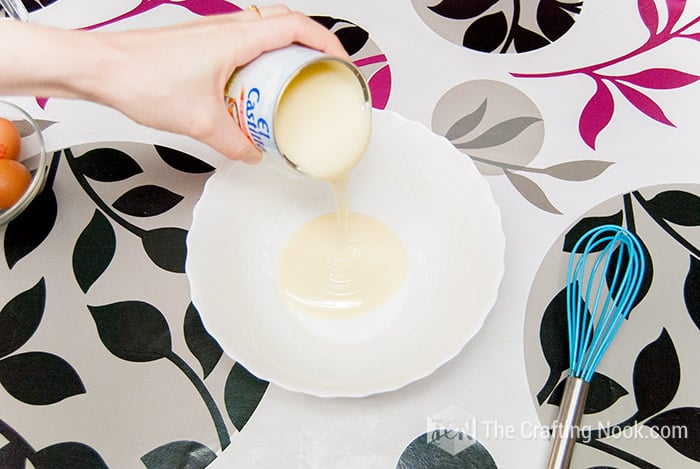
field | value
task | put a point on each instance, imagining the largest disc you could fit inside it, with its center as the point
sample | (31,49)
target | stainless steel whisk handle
(566,427)
(16,9)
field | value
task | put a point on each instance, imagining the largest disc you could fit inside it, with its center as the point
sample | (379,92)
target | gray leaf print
(500,133)
(583,170)
(531,191)
(466,124)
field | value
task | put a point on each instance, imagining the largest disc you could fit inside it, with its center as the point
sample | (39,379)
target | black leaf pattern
(691,290)
(586,224)
(133,330)
(486,33)
(656,376)
(553,18)
(147,201)
(39,378)
(679,207)
(656,380)
(70,454)
(531,191)
(14,455)
(94,250)
(525,40)
(327,21)
(466,124)
(554,340)
(167,248)
(461,10)
(201,344)
(36,4)
(107,165)
(20,318)
(501,133)
(353,38)
(183,161)
(422,453)
(680,428)
(185,454)
(602,394)
(31,227)
(242,394)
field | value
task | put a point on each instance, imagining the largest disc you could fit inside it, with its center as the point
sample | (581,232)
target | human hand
(173,78)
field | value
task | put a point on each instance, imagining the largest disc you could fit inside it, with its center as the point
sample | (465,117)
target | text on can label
(258,128)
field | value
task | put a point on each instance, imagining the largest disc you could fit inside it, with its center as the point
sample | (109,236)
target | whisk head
(602,286)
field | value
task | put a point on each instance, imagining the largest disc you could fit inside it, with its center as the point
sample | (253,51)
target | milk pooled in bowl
(341,264)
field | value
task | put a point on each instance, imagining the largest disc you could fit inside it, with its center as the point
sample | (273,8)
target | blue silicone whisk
(602,286)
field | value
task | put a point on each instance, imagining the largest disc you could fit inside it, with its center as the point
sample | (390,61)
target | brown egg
(14,181)
(10,140)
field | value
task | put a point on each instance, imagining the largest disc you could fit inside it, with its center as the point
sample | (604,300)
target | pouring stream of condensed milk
(339,265)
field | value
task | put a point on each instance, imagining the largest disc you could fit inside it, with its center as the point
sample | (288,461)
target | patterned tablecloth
(577,113)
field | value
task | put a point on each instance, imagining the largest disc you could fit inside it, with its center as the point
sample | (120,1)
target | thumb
(228,139)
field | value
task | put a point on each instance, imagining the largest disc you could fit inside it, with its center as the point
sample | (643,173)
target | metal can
(253,92)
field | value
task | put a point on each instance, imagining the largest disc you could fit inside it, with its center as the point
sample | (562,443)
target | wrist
(82,65)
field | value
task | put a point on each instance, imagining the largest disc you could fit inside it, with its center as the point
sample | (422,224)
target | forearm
(51,62)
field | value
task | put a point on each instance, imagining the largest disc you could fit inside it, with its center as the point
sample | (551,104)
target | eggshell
(10,140)
(14,181)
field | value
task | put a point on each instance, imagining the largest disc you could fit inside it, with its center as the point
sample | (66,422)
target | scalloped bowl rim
(208,251)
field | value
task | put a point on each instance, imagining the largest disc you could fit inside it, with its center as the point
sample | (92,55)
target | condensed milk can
(254,91)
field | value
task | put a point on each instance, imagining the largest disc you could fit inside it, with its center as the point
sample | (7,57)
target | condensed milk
(323,121)
(339,265)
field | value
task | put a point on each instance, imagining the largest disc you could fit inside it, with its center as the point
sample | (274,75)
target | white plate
(412,180)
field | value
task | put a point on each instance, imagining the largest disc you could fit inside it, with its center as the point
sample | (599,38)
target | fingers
(271,11)
(236,146)
(278,26)
(295,27)
(228,139)
(250,14)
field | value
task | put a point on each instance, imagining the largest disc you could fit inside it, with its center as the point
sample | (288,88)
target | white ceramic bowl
(429,193)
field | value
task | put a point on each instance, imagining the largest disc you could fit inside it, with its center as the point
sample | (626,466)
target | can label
(253,92)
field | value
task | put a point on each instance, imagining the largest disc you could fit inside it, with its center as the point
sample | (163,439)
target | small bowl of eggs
(23,161)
